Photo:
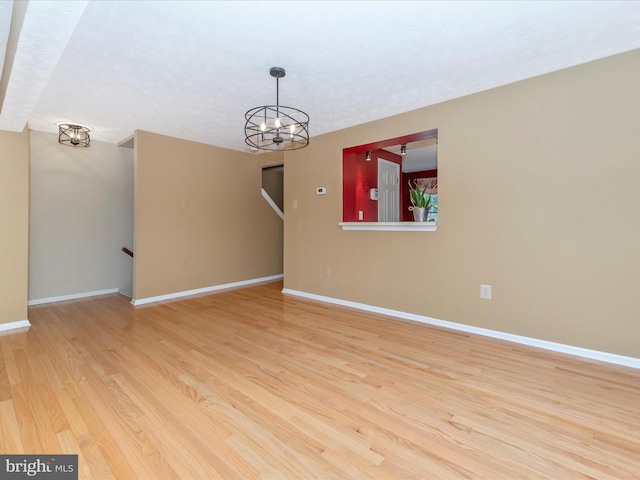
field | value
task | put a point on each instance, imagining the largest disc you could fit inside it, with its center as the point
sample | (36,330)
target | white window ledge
(391,226)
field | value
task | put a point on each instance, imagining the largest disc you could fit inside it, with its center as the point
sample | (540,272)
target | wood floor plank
(27,423)
(167,411)
(70,445)
(251,384)
(10,429)
(5,384)
(109,445)
(8,360)
(132,440)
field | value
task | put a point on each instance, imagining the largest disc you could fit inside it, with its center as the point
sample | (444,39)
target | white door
(388,191)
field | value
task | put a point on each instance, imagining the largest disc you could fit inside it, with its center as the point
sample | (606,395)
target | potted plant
(420,200)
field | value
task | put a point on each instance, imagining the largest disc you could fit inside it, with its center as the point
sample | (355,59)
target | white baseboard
(73,296)
(198,291)
(534,342)
(20,325)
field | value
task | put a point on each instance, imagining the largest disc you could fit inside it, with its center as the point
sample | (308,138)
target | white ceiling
(191,69)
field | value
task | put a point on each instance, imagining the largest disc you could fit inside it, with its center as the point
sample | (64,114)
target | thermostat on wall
(321,190)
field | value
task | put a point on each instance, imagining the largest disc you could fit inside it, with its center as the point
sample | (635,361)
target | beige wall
(81,215)
(538,196)
(200,219)
(14,222)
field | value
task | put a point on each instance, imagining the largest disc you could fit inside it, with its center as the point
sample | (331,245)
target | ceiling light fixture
(403,149)
(276,127)
(73,135)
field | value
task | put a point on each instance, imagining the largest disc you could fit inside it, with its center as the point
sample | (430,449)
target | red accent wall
(366,180)
(406,215)
(349,186)
(360,176)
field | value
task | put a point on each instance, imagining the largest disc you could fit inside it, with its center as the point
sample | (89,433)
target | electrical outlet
(327,271)
(485,292)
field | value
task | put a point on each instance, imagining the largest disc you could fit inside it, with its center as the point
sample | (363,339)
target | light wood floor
(253,384)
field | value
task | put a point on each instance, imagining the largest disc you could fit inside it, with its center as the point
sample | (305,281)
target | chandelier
(276,127)
(73,135)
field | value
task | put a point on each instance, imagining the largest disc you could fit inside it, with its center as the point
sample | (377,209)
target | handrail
(273,204)
(127,251)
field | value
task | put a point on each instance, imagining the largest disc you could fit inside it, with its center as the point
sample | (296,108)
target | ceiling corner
(38,34)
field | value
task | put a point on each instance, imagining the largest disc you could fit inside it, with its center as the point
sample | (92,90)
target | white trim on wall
(273,204)
(197,291)
(19,325)
(391,226)
(73,296)
(533,342)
